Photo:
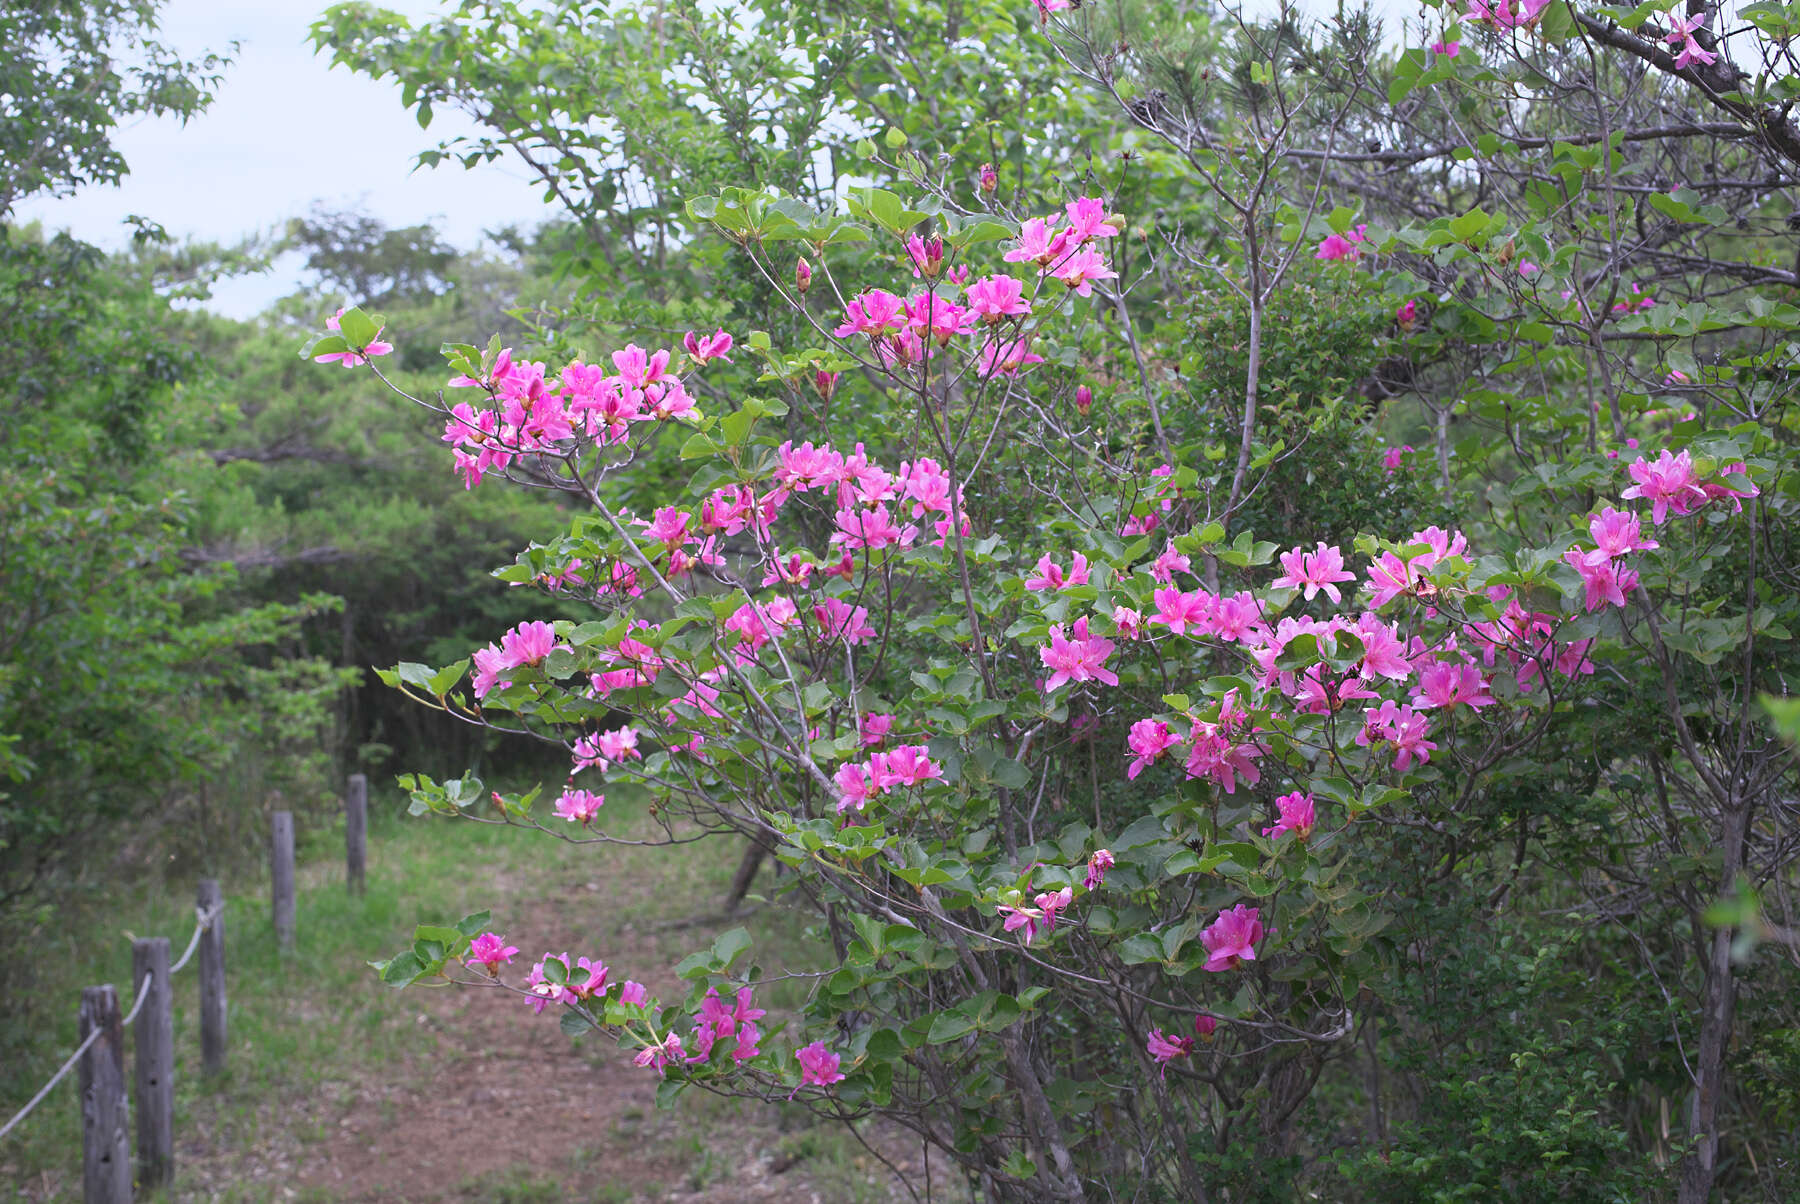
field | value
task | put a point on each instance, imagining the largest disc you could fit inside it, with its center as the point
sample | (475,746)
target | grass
(312,1024)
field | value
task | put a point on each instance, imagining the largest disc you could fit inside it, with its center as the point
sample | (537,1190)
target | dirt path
(494,1104)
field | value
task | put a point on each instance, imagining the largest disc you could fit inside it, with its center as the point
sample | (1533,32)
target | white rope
(54,1080)
(202,921)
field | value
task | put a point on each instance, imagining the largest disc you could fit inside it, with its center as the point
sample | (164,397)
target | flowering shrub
(968,625)
(840,654)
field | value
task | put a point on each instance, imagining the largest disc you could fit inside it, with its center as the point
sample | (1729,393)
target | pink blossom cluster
(1671,486)
(1506,14)
(899,768)
(528,414)
(582,979)
(1346,246)
(1050,905)
(735,1023)
(526,644)
(1681,34)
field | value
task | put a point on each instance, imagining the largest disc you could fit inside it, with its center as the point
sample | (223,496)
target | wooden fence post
(283,875)
(153,1051)
(105,1114)
(212,978)
(356,833)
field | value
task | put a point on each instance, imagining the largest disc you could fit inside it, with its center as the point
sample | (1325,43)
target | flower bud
(927,255)
(825,383)
(1084,400)
(990,179)
(1205,1026)
(802,275)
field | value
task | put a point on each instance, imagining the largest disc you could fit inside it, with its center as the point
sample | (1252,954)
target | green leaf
(948,1026)
(731,946)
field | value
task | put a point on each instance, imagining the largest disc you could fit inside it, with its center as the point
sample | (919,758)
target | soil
(515,1112)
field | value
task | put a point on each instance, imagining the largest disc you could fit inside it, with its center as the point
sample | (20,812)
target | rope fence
(107,1166)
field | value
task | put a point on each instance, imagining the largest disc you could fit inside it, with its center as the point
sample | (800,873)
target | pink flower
(1214,756)
(1076,657)
(1088,219)
(1343,246)
(1149,739)
(1081,269)
(1231,939)
(1130,623)
(1383,653)
(633,994)
(1390,457)
(490,951)
(1617,532)
(874,312)
(1667,483)
(1449,50)
(1402,727)
(1205,1026)
(838,620)
(1052,904)
(1051,577)
(1165,1048)
(1449,684)
(490,662)
(664,1052)
(927,256)
(1039,242)
(1016,918)
(989,179)
(1178,611)
(1506,14)
(874,728)
(1007,357)
(907,765)
(1606,583)
(1084,400)
(578,806)
(873,529)
(1717,489)
(1297,816)
(1098,864)
(527,644)
(996,298)
(802,275)
(708,347)
(1316,571)
(592,982)
(855,786)
(1681,33)
(1407,315)
(818,1066)
(1169,563)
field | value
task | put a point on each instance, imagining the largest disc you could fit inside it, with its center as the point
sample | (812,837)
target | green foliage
(73,70)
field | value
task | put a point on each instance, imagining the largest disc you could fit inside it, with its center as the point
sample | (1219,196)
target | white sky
(284,131)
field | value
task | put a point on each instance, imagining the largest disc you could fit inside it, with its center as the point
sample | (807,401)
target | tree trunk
(746,874)
(1716,1011)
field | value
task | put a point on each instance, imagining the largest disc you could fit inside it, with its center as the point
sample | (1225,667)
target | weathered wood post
(105,1114)
(356,833)
(153,1051)
(283,875)
(211,900)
